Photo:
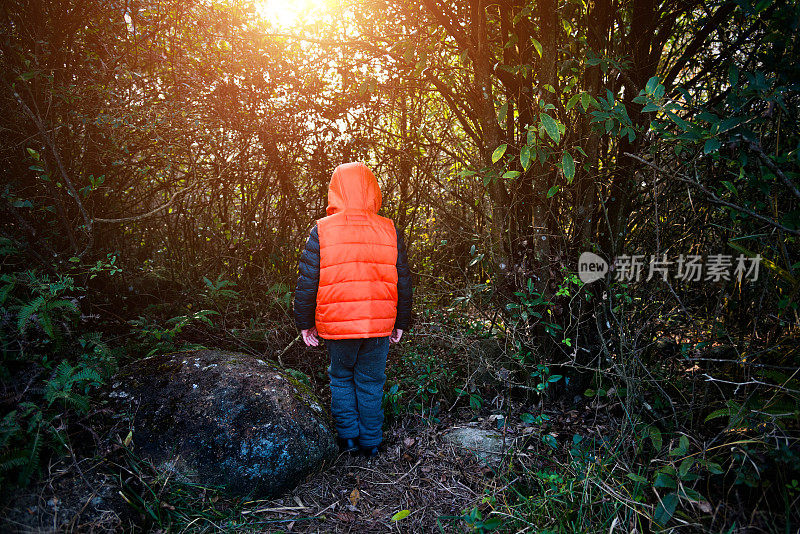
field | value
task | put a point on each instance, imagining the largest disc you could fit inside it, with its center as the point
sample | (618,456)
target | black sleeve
(305,294)
(404,290)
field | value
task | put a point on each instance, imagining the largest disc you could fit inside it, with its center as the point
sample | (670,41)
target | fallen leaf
(704,506)
(408,442)
(355,496)
(346,517)
(402,514)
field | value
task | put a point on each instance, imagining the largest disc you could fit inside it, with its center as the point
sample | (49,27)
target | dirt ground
(416,471)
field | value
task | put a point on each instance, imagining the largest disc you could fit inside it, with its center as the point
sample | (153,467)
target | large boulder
(224,418)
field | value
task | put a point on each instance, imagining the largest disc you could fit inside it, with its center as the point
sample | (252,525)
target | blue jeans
(357,372)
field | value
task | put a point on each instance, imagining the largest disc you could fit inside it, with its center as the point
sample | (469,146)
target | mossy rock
(224,419)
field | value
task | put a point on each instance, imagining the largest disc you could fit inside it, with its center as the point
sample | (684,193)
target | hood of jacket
(353,187)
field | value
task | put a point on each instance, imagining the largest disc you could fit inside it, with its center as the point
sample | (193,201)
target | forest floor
(440,485)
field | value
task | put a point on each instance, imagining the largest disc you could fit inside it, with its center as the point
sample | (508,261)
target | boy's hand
(310,336)
(397,333)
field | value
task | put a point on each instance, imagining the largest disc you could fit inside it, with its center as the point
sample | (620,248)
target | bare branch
(713,197)
(774,168)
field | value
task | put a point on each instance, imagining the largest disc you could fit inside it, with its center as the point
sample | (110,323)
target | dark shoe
(369,452)
(347,444)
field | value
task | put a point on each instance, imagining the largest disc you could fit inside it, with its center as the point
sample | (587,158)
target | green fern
(67,377)
(9,427)
(88,374)
(61,303)
(78,402)
(7,247)
(12,460)
(32,459)
(27,310)
(216,290)
(7,288)
(45,312)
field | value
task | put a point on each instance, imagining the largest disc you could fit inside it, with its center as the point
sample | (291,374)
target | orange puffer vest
(357,294)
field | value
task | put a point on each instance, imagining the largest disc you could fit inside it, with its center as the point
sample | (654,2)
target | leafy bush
(46,346)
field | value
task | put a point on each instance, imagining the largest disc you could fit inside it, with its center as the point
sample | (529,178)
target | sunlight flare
(289,12)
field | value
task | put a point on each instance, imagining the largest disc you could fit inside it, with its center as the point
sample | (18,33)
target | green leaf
(525,157)
(663,480)
(568,166)
(665,509)
(552,191)
(34,154)
(475,260)
(402,514)
(683,469)
(652,83)
(649,107)
(636,478)
(692,495)
(550,126)
(511,174)
(538,46)
(491,523)
(685,126)
(585,101)
(733,75)
(572,101)
(683,446)
(475,402)
(503,112)
(527,418)
(714,468)
(712,145)
(655,437)
(730,187)
(723,412)
(498,152)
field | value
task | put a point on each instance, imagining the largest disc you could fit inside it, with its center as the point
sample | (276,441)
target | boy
(354,291)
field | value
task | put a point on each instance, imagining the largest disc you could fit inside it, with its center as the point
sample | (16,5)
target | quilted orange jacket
(357,292)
